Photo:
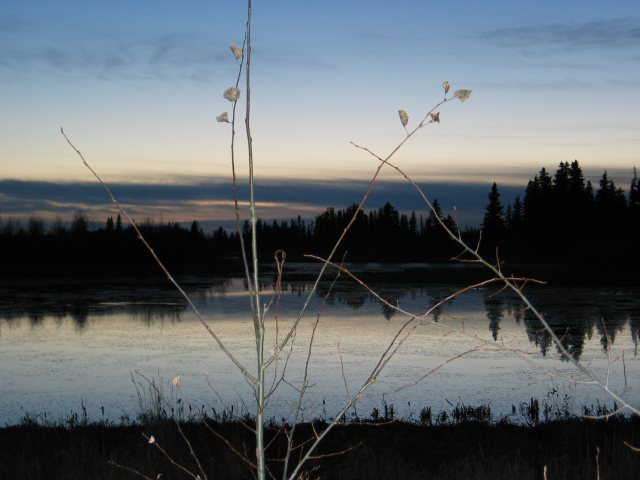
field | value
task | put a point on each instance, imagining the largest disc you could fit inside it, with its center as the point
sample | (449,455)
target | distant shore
(584,274)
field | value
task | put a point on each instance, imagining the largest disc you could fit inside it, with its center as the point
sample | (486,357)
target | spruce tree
(580,201)
(517,213)
(634,205)
(513,216)
(437,243)
(537,202)
(576,178)
(561,180)
(546,183)
(413,225)
(493,224)
(611,208)
(560,208)
(434,214)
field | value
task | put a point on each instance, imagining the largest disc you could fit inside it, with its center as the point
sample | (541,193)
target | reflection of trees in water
(36,319)
(573,314)
(81,312)
(572,336)
(611,314)
(608,327)
(493,303)
(355,297)
(201,292)
(575,321)
(536,333)
(158,313)
(634,326)
(149,303)
(436,313)
(344,293)
(514,307)
(80,316)
(388,311)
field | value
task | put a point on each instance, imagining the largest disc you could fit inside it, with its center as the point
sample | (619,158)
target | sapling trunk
(258,317)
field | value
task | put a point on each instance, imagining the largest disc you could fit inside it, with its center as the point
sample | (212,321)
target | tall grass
(380,449)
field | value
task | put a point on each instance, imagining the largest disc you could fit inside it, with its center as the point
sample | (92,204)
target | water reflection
(80,302)
(494,305)
(574,314)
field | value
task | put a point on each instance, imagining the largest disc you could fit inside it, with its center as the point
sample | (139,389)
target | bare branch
(229,445)
(194,309)
(191,451)
(336,454)
(344,376)
(513,286)
(627,444)
(171,460)
(365,197)
(130,470)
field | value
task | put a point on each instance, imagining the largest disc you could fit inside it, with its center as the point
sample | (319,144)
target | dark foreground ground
(570,449)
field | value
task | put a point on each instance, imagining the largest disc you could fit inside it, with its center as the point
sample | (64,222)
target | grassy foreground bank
(570,448)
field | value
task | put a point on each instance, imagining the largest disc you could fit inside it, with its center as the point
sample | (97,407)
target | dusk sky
(137,86)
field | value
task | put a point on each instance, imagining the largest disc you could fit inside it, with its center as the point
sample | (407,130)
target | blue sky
(137,86)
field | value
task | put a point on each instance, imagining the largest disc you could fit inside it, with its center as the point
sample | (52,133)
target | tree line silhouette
(564,218)
(560,218)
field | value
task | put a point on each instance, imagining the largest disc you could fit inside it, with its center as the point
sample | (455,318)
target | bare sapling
(271,368)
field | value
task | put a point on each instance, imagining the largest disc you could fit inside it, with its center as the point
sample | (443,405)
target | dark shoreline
(572,448)
(426,273)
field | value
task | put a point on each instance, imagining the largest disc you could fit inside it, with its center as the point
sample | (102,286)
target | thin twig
(194,309)
(191,451)
(514,287)
(628,445)
(229,445)
(354,216)
(344,376)
(415,320)
(335,454)
(305,378)
(234,183)
(130,470)
(173,462)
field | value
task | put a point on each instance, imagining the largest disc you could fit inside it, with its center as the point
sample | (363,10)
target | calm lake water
(69,347)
